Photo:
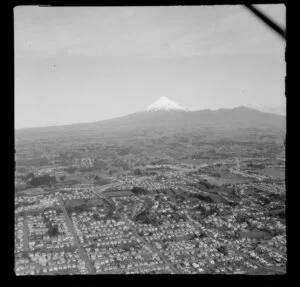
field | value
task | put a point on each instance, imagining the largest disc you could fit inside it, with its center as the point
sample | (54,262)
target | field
(255,234)
(33,191)
(224,180)
(276,172)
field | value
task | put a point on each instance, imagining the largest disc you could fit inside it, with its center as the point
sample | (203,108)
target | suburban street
(81,250)
(154,249)
(26,234)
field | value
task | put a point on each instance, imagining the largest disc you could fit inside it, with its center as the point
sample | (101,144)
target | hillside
(240,117)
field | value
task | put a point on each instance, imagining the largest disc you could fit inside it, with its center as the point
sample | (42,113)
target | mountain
(165,104)
(274,110)
(166,115)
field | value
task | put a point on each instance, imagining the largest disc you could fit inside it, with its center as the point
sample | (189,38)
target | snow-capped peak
(165,104)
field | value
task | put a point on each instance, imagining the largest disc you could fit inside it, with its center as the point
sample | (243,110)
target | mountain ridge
(239,114)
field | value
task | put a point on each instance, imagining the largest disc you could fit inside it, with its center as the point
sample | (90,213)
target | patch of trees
(63,177)
(255,166)
(179,197)
(277,197)
(265,200)
(223,249)
(177,217)
(205,184)
(241,217)
(101,181)
(78,208)
(70,169)
(215,174)
(96,216)
(139,190)
(203,197)
(138,171)
(100,164)
(21,169)
(278,212)
(42,180)
(28,176)
(152,173)
(146,218)
(53,230)
(232,203)
(208,210)
(200,236)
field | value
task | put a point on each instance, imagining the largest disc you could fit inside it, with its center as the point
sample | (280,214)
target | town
(225,217)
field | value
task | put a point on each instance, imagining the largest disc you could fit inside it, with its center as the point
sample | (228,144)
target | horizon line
(144,110)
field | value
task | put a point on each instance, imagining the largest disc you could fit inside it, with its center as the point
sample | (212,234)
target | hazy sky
(86,64)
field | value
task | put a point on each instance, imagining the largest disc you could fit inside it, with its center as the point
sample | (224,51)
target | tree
(138,171)
(28,176)
(62,177)
(53,230)
(223,249)
(96,216)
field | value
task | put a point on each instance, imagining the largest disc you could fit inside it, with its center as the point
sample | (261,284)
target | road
(81,250)
(26,234)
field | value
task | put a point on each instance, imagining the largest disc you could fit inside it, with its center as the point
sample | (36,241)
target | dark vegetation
(52,228)
(223,249)
(139,190)
(101,181)
(46,179)
(146,217)
(255,166)
(27,176)
(71,169)
(62,178)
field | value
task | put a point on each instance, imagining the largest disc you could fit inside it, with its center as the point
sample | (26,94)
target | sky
(85,64)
